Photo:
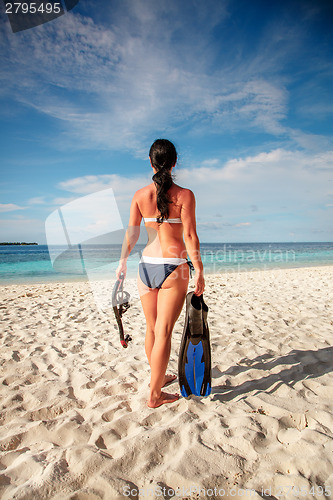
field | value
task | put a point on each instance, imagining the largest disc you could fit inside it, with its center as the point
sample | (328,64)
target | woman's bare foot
(163,399)
(169,379)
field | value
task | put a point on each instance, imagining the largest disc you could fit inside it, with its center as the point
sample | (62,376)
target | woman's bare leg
(148,299)
(170,301)
(149,304)
(162,308)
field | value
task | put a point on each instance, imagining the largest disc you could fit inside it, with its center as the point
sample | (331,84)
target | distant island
(17,243)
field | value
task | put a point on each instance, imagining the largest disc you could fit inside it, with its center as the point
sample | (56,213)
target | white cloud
(37,200)
(10,207)
(62,200)
(264,168)
(123,187)
(311,142)
(287,187)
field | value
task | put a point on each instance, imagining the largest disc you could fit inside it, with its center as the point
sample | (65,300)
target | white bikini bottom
(163,260)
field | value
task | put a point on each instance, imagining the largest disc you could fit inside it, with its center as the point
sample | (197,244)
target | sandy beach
(74,423)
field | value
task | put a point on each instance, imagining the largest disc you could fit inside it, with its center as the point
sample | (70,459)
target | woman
(168,211)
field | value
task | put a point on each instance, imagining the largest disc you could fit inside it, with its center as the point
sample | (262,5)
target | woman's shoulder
(183,194)
(145,195)
(144,191)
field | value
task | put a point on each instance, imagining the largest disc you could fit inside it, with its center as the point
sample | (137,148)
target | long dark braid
(163,156)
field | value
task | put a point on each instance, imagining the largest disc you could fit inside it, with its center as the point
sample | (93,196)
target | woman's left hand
(199,281)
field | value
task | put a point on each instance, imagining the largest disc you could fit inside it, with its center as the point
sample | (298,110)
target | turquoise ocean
(32,263)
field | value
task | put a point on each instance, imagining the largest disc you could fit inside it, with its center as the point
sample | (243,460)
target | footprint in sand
(11,443)
(15,356)
(291,428)
(109,416)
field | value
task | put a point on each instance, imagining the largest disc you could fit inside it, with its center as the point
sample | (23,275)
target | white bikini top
(171,221)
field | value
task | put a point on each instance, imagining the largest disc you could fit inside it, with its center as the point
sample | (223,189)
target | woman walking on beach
(168,211)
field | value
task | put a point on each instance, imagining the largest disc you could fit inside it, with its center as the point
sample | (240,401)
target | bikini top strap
(171,221)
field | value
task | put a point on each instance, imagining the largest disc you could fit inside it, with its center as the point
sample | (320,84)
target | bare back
(166,239)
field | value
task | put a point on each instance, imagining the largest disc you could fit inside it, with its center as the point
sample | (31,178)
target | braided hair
(163,156)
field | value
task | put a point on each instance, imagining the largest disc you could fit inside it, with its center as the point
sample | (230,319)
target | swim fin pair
(194,365)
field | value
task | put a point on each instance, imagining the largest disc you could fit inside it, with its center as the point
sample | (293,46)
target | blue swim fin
(194,364)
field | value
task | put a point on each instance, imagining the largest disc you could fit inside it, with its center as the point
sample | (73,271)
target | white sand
(74,424)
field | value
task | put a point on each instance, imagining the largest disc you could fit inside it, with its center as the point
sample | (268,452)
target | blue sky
(244,90)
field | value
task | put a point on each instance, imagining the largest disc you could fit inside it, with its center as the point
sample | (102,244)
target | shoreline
(233,271)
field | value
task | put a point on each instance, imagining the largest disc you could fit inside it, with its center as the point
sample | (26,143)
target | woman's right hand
(121,269)
(199,282)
